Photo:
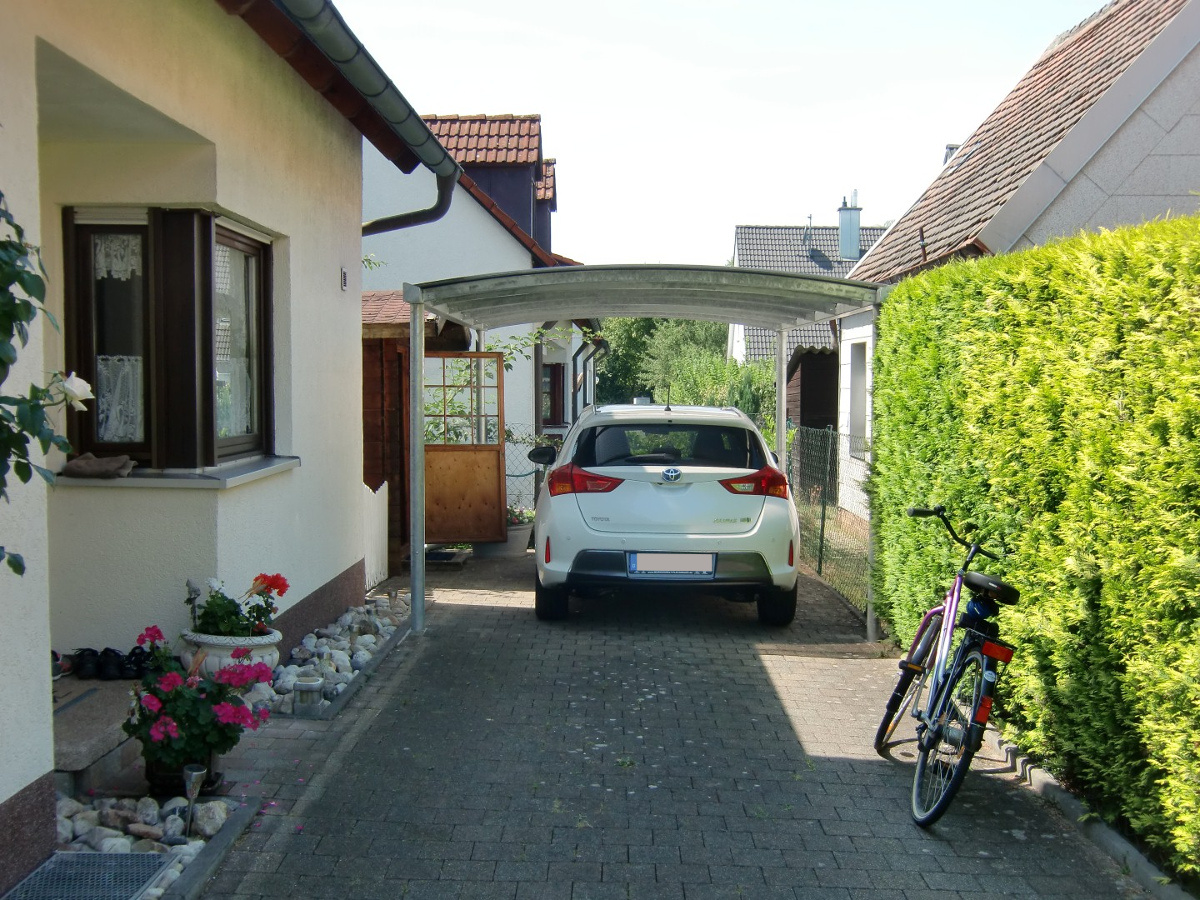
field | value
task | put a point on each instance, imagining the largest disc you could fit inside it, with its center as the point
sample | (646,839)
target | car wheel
(778,607)
(549,604)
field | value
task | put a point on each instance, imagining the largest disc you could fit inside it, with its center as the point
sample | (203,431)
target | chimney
(848,239)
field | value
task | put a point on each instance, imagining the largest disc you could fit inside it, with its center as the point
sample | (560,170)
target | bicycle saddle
(991,587)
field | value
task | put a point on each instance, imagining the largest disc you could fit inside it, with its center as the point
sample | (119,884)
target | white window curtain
(119,417)
(117,256)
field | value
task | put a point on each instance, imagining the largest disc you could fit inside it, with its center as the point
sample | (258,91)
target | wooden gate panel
(464,492)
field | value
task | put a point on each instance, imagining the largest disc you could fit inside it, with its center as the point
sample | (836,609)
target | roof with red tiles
(385,308)
(483,140)
(545,182)
(988,169)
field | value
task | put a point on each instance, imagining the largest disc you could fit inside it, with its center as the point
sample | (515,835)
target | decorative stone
(173,826)
(66,807)
(117,818)
(147,811)
(66,830)
(98,835)
(341,661)
(142,830)
(359,659)
(147,846)
(209,817)
(85,822)
(116,845)
(176,806)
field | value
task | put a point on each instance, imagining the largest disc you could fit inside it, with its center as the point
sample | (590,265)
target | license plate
(651,565)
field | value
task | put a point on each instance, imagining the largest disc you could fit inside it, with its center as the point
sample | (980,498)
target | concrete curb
(1140,869)
(191,882)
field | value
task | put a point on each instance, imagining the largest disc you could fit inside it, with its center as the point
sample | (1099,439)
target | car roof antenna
(667,408)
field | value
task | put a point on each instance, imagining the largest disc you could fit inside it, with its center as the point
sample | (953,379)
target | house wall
(27,745)
(1148,169)
(858,328)
(513,188)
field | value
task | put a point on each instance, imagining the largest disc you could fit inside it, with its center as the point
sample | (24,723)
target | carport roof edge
(716,293)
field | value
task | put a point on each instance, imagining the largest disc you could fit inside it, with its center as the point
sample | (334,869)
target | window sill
(214,479)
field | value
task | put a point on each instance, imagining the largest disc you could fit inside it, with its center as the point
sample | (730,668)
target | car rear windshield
(725,446)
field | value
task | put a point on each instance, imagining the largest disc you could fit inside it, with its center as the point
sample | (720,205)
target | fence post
(825,497)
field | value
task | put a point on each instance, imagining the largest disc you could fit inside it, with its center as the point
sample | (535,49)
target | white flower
(77,390)
(215,586)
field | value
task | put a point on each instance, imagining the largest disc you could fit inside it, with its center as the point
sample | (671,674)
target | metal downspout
(445,193)
(781,399)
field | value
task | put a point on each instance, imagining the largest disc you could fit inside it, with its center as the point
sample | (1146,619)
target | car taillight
(766,482)
(570,479)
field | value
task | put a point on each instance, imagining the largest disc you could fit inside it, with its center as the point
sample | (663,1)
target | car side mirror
(543,455)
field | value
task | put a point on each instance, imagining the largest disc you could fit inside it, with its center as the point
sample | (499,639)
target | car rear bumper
(598,568)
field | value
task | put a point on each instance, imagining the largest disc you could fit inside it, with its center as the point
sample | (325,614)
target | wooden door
(465,498)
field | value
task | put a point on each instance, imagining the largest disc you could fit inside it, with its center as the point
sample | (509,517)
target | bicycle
(951,724)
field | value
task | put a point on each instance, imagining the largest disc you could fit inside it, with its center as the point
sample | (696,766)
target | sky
(673,122)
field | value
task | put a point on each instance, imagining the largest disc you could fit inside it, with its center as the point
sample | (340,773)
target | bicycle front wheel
(946,747)
(913,673)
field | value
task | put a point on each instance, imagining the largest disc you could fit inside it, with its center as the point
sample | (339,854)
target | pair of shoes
(87,663)
(111,665)
(137,662)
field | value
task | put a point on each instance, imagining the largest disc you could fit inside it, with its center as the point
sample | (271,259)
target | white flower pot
(517,543)
(219,649)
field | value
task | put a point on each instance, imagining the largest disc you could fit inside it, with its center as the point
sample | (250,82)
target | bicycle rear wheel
(908,683)
(947,746)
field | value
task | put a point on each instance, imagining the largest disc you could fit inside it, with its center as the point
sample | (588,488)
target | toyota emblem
(671,474)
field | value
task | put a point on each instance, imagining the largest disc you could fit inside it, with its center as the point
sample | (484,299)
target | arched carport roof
(776,300)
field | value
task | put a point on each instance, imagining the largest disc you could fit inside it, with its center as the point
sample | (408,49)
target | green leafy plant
(22,297)
(245,616)
(1055,394)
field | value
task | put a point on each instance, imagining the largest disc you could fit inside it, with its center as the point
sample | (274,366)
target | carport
(775,300)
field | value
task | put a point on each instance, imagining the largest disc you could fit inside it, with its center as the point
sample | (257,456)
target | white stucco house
(192,175)
(499,222)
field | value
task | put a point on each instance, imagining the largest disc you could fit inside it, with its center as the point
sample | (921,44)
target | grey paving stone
(646,747)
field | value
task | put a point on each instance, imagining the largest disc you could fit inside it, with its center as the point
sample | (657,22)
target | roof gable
(1051,98)
(483,140)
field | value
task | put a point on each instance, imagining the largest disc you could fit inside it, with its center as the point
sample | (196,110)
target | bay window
(168,315)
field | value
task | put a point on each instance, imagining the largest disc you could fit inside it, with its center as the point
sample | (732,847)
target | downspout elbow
(445,193)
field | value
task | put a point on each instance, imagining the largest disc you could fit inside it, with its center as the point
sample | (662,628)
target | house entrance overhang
(777,300)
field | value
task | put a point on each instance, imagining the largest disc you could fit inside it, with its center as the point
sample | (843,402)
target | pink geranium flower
(152,703)
(163,728)
(169,682)
(151,635)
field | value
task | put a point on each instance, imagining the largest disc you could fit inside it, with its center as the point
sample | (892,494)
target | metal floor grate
(91,876)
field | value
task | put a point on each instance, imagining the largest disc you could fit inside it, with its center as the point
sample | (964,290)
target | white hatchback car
(659,496)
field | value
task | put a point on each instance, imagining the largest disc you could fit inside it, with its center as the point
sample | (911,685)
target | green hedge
(1053,397)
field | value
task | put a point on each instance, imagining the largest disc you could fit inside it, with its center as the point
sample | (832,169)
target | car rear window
(653,443)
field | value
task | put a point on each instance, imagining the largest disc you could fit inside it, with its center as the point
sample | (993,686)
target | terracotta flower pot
(263,648)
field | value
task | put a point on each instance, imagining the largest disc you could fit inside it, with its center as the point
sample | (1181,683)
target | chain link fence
(522,475)
(828,473)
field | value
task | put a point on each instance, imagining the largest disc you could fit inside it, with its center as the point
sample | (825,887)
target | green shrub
(1053,396)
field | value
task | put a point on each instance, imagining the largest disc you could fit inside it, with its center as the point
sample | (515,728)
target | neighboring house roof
(500,140)
(1024,154)
(804,249)
(483,140)
(386,308)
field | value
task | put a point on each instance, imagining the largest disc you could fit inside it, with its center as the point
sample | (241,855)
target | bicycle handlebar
(939,512)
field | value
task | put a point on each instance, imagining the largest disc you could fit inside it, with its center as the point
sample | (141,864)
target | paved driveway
(647,747)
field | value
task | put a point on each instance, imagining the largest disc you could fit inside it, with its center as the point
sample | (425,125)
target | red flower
(240,652)
(170,681)
(162,728)
(151,635)
(151,702)
(271,584)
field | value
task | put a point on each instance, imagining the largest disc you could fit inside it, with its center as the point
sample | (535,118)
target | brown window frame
(558,384)
(178,378)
